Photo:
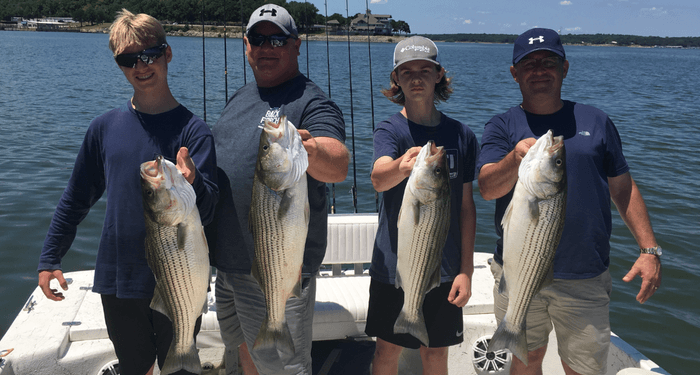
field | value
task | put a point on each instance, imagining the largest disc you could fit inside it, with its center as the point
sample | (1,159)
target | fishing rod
(353,190)
(204,69)
(371,91)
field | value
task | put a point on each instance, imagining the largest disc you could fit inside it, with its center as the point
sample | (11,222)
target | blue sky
(666,18)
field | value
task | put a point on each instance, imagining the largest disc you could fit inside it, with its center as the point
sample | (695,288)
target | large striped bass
(423,223)
(532,226)
(279,220)
(177,252)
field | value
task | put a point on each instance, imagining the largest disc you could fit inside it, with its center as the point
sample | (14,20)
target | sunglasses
(276,40)
(148,56)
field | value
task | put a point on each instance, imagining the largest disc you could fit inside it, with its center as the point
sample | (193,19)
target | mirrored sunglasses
(148,56)
(276,40)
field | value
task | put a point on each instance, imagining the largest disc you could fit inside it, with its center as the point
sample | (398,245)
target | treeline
(180,11)
(615,39)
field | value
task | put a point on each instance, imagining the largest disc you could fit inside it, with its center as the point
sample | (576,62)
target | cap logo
(273,11)
(541,39)
(416,48)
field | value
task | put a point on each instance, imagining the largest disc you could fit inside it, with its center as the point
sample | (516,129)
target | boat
(70,337)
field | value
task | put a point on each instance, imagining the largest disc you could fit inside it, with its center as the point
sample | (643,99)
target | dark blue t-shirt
(593,153)
(237,136)
(393,137)
(115,145)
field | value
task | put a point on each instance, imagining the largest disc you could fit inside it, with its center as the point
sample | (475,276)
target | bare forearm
(497,179)
(329,163)
(633,211)
(386,174)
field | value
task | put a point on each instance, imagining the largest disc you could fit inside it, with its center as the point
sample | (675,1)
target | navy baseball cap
(537,39)
(275,14)
(415,48)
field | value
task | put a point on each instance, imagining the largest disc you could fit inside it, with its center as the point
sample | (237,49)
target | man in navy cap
(272,48)
(576,304)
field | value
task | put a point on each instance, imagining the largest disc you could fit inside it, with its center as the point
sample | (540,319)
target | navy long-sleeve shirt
(115,145)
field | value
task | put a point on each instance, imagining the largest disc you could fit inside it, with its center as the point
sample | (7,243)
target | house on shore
(375,24)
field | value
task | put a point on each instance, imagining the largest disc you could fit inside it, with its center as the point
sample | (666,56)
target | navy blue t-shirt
(115,145)
(593,153)
(237,136)
(393,137)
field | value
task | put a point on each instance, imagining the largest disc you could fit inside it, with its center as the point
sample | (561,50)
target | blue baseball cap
(537,39)
(275,14)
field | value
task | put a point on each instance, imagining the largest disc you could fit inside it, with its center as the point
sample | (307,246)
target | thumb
(630,275)
(62,281)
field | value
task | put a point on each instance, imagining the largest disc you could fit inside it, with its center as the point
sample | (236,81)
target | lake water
(53,84)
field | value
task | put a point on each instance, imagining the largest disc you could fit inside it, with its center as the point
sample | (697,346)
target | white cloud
(378,1)
(523,24)
(483,12)
(570,29)
(468,22)
(654,11)
(565,2)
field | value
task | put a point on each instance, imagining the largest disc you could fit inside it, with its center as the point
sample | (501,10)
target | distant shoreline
(233,32)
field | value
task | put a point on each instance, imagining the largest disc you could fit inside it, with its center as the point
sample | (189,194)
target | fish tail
(414,327)
(187,360)
(516,342)
(281,339)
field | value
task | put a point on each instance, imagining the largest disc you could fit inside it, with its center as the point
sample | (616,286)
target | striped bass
(532,226)
(177,252)
(423,223)
(279,220)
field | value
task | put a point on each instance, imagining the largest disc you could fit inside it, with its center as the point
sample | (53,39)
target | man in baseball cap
(597,173)
(279,91)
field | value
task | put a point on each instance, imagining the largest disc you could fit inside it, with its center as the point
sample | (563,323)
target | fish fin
(269,338)
(415,328)
(181,236)
(296,290)
(506,216)
(502,285)
(397,280)
(188,361)
(516,342)
(158,304)
(534,209)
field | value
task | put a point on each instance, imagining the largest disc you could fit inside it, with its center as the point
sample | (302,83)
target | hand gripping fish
(532,226)
(177,252)
(279,221)
(424,221)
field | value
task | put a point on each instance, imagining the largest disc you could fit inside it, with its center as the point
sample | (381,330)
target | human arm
(630,204)
(196,159)
(388,172)
(497,179)
(328,157)
(45,278)
(462,285)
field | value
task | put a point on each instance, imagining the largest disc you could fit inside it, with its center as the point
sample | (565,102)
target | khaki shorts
(579,312)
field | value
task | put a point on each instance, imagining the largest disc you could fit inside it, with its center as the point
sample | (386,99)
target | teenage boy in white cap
(577,303)
(272,48)
(418,82)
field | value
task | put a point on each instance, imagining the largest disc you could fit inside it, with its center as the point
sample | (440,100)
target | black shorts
(442,319)
(139,334)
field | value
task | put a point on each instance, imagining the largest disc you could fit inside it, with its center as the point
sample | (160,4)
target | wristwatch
(656,250)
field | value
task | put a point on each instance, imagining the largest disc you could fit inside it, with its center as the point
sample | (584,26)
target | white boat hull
(69,337)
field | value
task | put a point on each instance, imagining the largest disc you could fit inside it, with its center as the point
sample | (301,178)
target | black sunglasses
(276,40)
(148,56)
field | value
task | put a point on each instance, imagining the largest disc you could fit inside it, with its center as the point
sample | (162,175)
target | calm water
(54,84)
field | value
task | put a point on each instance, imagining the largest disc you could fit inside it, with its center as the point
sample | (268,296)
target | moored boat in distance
(70,337)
